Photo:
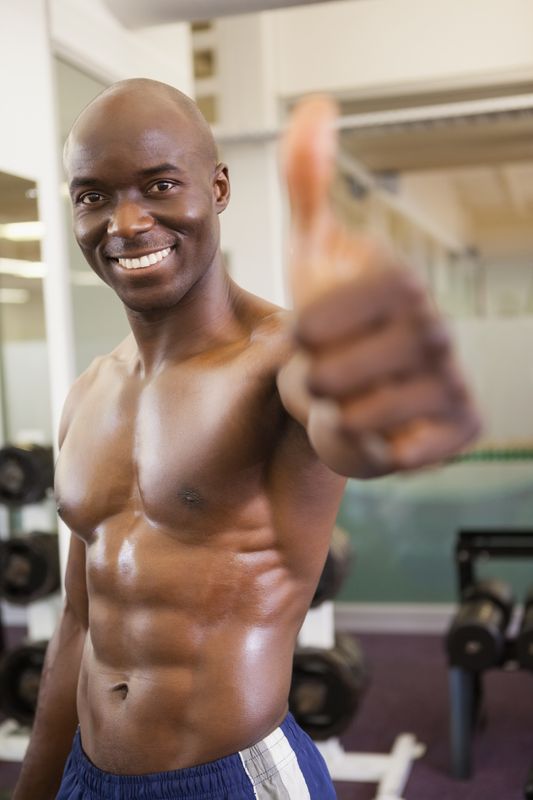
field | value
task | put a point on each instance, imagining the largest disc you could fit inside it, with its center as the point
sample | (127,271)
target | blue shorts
(285,765)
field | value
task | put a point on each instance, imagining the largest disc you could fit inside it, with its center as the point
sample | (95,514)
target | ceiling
(136,13)
(479,149)
(496,192)
(438,143)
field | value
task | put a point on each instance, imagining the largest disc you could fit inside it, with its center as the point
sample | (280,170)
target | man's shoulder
(88,378)
(115,359)
(268,324)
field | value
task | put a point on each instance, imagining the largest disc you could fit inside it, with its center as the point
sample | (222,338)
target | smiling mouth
(144,261)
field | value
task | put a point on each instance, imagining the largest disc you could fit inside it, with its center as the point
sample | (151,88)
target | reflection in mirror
(25,394)
(25,475)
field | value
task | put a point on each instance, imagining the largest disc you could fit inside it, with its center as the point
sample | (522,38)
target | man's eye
(89,198)
(161,186)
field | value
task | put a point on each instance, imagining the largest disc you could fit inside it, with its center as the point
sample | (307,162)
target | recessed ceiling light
(22,231)
(22,269)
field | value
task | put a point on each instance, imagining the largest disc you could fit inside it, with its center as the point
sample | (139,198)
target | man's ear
(221,187)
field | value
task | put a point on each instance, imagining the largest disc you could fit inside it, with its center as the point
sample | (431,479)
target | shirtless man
(202,462)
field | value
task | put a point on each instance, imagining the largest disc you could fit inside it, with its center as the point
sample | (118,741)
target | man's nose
(129,219)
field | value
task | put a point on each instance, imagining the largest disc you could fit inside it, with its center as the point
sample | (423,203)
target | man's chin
(150,304)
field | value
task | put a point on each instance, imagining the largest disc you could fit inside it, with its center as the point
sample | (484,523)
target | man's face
(145,200)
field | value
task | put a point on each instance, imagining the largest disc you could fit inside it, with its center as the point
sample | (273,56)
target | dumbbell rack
(465,685)
(41,620)
(391,770)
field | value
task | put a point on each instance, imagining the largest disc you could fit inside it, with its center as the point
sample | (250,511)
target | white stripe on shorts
(273,769)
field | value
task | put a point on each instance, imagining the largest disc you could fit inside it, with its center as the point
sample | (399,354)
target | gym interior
(414,665)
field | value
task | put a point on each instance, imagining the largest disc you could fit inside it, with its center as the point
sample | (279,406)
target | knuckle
(350,422)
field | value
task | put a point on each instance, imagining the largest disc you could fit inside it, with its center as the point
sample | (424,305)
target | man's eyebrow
(166,167)
(75,183)
(142,173)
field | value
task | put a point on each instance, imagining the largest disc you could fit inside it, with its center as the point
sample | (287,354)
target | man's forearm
(56,718)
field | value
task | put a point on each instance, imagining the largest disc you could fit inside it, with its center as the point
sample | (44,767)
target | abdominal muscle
(169,683)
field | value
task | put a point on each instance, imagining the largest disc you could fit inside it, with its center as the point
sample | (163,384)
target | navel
(122,689)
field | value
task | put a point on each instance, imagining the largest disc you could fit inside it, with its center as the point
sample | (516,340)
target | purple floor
(408,693)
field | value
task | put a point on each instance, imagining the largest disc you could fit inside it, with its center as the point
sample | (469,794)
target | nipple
(191,497)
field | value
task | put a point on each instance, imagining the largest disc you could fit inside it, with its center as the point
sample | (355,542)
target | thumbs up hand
(372,358)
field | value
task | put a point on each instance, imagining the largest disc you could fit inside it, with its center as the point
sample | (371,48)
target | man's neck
(204,317)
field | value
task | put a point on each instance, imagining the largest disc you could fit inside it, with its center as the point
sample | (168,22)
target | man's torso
(206,518)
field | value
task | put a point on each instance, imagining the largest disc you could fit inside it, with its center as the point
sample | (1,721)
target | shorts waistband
(239,771)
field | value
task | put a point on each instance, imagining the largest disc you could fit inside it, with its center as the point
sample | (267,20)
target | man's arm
(373,376)
(377,388)
(56,718)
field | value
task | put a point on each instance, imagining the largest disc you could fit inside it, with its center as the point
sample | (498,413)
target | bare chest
(189,447)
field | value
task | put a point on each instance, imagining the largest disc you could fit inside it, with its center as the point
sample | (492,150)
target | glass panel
(24,378)
(26,405)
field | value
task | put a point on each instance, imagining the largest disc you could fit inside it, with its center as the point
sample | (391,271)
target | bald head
(140,96)
(144,179)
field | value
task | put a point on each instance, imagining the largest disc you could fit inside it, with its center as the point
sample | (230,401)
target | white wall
(22,49)
(89,36)
(497,357)
(246,70)
(378,46)
(509,289)
(252,225)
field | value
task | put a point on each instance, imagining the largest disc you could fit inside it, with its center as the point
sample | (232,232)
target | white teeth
(144,261)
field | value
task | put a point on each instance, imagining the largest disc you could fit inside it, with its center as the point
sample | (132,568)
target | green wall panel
(404,529)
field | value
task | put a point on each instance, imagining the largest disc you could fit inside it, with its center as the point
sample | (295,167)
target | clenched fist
(373,359)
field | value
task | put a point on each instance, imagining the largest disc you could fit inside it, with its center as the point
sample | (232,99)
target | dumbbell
(476,638)
(26,473)
(20,676)
(29,567)
(336,568)
(524,640)
(327,686)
